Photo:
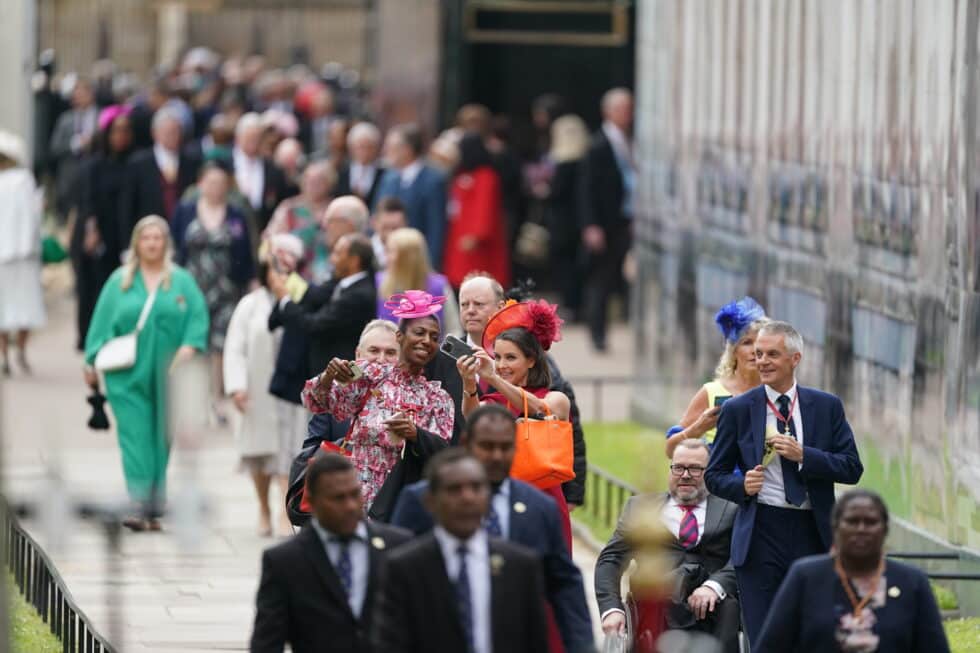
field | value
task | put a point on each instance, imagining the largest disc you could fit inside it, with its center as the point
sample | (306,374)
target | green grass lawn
(27,632)
(964,635)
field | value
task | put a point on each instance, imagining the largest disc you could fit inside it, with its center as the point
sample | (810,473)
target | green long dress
(138,395)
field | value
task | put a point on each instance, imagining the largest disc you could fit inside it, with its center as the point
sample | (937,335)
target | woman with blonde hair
(161,303)
(739,322)
(569,142)
(409,268)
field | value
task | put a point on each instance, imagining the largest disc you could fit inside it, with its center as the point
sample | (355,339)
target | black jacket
(600,185)
(712,553)
(332,326)
(142,192)
(417,610)
(344,188)
(301,601)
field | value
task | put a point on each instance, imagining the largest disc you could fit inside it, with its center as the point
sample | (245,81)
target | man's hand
(614,623)
(337,370)
(753,480)
(276,283)
(594,238)
(702,601)
(787,447)
(241,400)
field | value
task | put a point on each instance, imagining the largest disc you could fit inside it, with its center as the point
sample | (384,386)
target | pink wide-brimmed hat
(414,303)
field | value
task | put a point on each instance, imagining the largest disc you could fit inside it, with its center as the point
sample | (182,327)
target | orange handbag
(543,454)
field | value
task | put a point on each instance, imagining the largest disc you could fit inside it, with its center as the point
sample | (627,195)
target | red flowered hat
(414,303)
(540,318)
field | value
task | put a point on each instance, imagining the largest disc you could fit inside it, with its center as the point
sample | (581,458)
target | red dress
(475,210)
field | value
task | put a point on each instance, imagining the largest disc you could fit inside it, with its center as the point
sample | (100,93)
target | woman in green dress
(176,327)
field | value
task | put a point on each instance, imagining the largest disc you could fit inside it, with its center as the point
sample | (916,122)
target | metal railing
(935,575)
(597,385)
(42,587)
(605,497)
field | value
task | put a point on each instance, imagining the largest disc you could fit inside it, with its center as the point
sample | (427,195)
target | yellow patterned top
(714,389)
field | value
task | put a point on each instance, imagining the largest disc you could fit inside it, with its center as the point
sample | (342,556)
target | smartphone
(456,348)
(720,400)
(356,370)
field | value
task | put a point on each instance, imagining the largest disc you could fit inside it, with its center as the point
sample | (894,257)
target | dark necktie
(793,483)
(492,522)
(345,570)
(688,532)
(463,599)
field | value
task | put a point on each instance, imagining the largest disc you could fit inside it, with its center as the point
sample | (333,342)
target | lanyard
(779,416)
(858,606)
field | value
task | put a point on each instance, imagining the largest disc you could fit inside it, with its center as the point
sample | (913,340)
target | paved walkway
(183,590)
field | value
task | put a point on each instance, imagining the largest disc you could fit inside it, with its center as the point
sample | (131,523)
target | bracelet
(475,392)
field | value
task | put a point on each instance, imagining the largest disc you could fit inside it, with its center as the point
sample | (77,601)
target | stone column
(17,49)
(172,26)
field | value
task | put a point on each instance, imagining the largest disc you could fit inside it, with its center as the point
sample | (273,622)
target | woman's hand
(184,354)
(403,427)
(91,377)
(241,400)
(485,365)
(467,366)
(706,421)
(337,370)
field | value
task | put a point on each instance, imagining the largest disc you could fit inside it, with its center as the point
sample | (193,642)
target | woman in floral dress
(397,412)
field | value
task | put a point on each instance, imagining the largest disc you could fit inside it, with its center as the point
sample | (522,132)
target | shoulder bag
(119,353)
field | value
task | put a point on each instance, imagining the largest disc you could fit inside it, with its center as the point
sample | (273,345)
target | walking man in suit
(706,594)
(258,179)
(420,187)
(317,588)
(520,513)
(361,175)
(795,443)
(457,590)
(607,192)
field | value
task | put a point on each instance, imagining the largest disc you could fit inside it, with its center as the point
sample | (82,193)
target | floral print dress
(384,390)
(209,260)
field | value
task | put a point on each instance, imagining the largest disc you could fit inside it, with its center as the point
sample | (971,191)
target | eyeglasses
(696,471)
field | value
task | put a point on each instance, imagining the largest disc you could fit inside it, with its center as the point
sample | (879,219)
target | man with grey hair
(706,595)
(793,443)
(156,177)
(258,179)
(607,189)
(361,175)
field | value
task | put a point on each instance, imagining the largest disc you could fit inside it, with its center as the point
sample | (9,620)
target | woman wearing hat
(21,297)
(397,413)
(739,322)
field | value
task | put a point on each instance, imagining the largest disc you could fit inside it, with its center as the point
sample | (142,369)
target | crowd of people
(349,290)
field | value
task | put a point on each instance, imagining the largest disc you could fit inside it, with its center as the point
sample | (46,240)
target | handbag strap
(145,313)
(547,410)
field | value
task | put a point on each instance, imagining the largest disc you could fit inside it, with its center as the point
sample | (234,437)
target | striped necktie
(688,533)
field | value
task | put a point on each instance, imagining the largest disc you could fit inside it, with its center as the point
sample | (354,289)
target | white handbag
(120,352)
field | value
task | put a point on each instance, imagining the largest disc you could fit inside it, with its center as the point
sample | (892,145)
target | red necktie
(688,533)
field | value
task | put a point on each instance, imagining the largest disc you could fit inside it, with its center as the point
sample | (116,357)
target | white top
(619,141)
(478,566)
(773,491)
(357,550)
(379,251)
(250,177)
(165,159)
(362,178)
(501,504)
(20,216)
(346,283)
(410,172)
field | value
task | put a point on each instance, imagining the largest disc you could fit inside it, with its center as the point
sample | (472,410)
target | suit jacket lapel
(518,520)
(317,554)
(437,573)
(498,595)
(758,423)
(806,415)
(374,564)
(712,516)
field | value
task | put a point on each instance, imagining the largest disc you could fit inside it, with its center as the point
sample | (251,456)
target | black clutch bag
(99,421)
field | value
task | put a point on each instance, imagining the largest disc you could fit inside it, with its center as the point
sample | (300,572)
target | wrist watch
(471,394)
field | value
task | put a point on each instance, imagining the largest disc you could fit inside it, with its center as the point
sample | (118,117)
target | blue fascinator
(735,316)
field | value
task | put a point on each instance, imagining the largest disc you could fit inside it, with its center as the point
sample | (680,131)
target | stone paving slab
(175,598)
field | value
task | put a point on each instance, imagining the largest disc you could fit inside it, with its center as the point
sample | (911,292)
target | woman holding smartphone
(739,322)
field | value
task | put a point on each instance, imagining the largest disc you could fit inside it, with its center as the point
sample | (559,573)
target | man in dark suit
(317,588)
(258,179)
(795,443)
(333,314)
(456,589)
(520,513)
(607,183)
(361,175)
(420,187)
(706,594)
(480,297)
(156,177)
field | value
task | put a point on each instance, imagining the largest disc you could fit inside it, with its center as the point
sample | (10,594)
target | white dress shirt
(250,177)
(362,178)
(501,505)
(410,172)
(478,566)
(379,251)
(166,160)
(359,561)
(773,491)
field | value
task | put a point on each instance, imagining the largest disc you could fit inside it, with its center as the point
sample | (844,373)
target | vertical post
(598,405)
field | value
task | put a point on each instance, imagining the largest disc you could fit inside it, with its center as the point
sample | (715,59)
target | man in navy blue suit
(519,513)
(793,444)
(420,187)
